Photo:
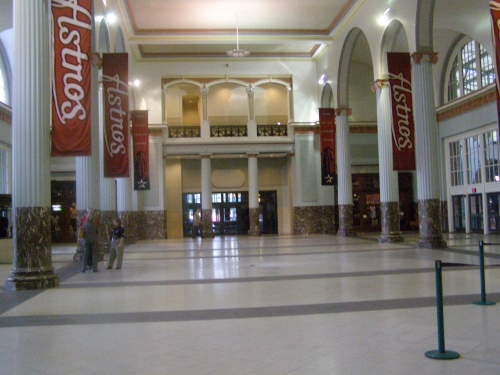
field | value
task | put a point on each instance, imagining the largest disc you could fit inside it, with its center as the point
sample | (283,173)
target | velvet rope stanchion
(441,353)
(483,301)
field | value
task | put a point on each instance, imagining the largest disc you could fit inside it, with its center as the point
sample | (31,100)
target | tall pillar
(251,124)
(206,196)
(344,174)
(389,194)
(427,150)
(88,167)
(124,203)
(32,258)
(107,185)
(164,93)
(253,196)
(205,125)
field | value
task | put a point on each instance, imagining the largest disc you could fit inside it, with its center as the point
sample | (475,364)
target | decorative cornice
(379,84)
(348,111)
(467,105)
(5,116)
(418,56)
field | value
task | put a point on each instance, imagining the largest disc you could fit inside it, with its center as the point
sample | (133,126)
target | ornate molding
(418,56)
(466,106)
(348,111)
(379,84)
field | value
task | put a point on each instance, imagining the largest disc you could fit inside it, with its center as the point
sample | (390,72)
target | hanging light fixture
(237,52)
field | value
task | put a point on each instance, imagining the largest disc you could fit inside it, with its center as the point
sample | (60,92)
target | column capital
(204,91)
(252,154)
(379,84)
(417,57)
(348,111)
(96,60)
(206,156)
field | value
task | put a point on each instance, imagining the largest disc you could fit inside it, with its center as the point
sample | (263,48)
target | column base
(129,222)
(32,280)
(432,243)
(207,224)
(431,237)
(391,238)
(345,221)
(254,226)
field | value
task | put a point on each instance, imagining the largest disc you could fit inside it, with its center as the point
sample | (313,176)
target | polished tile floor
(269,305)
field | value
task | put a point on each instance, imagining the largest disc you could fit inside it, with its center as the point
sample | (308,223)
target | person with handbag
(90,232)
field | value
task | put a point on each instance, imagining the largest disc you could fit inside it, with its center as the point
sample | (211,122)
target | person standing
(90,233)
(196,223)
(117,243)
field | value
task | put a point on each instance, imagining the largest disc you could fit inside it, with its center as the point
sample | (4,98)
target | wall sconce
(322,80)
(385,18)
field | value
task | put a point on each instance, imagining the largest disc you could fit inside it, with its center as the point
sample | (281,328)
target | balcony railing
(228,131)
(184,131)
(272,130)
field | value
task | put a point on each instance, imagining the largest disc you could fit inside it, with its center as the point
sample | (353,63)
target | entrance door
(476,213)
(458,213)
(268,218)
(494,212)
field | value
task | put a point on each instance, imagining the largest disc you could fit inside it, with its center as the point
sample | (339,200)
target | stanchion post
(441,353)
(483,301)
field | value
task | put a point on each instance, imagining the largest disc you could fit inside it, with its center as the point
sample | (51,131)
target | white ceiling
(207,29)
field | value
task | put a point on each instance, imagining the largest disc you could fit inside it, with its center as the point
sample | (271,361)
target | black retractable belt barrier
(483,301)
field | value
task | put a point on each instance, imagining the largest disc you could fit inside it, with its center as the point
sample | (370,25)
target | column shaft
(32,258)
(344,174)
(206,196)
(253,196)
(427,147)
(389,195)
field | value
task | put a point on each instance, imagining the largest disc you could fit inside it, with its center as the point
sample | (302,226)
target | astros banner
(140,136)
(495,29)
(116,116)
(403,125)
(71,111)
(327,144)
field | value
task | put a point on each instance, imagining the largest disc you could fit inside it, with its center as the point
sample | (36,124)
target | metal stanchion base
(484,303)
(447,354)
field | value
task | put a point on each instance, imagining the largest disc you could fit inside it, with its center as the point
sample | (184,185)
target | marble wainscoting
(107,218)
(314,220)
(346,221)
(444,217)
(431,236)
(206,223)
(152,225)
(32,264)
(391,232)
(130,224)
(253,215)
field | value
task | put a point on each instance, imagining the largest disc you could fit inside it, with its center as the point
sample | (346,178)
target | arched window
(471,69)
(4,77)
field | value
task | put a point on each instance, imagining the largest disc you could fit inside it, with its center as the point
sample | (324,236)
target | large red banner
(116,116)
(403,125)
(495,29)
(327,145)
(140,136)
(71,111)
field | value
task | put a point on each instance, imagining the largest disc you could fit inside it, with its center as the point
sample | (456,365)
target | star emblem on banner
(329,179)
(142,184)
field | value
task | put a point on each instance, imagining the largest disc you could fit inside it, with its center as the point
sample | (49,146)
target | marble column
(32,256)
(427,150)
(88,167)
(205,125)
(125,206)
(251,124)
(344,173)
(107,186)
(253,196)
(206,197)
(389,194)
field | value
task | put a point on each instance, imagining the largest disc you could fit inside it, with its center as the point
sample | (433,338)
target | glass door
(476,213)
(458,213)
(494,212)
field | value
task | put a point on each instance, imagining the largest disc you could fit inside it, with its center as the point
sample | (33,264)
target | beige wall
(173,189)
